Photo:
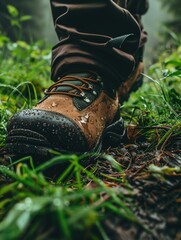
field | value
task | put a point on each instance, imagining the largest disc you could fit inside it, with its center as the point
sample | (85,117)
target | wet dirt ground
(154,177)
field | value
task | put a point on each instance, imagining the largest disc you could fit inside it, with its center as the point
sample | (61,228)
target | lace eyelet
(87,100)
(82,94)
(99,78)
(46,91)
(94,93)
(90,86)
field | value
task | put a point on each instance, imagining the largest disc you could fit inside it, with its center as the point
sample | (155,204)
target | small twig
(139,170)
(111,178)
(165,142)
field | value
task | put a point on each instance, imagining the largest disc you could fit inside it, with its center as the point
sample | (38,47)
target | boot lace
(75,90)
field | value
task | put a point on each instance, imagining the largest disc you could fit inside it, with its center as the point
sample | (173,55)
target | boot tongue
(74,82)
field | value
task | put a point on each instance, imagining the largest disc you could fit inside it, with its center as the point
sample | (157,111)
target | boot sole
(23,142)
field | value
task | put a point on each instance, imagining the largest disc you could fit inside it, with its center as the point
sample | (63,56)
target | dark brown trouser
(97,35)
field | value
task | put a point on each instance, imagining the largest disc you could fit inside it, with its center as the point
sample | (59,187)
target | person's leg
(96,53)
(95,39)
(96,35)
(137,8)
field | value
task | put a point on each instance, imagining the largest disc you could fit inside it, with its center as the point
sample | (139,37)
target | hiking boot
(79,113)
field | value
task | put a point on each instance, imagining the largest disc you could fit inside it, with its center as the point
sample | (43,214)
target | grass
(73,207)
(157,104)
(78,200)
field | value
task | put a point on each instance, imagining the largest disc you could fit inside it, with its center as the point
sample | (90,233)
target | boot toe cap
(46,128)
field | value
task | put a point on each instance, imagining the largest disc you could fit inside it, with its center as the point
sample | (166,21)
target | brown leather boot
(79,113)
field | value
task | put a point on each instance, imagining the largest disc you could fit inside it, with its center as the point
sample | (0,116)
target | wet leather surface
(92,120)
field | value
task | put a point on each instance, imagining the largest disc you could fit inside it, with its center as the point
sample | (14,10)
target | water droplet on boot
(54,104)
